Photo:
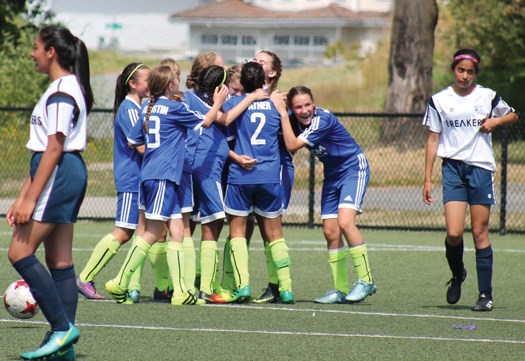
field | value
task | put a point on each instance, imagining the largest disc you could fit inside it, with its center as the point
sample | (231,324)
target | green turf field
(407,319)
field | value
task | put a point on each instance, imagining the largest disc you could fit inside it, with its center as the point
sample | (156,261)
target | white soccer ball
(19,301)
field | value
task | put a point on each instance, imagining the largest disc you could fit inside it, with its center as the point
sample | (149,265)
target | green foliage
(496,29)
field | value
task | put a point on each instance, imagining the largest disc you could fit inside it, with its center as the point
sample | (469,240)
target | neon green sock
(359,256)
(270,266)
(228,279)
(135,257)
(239,259)
(134,281)
(338,266)
(282,262)
(175,256)
(189,263)
(209,261)
(159,265)
(104,251)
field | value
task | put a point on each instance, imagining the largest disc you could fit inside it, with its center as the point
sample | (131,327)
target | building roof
(233,11)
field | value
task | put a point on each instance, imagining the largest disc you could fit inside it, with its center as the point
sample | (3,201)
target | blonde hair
(201,62)
(172,63)
(234,72)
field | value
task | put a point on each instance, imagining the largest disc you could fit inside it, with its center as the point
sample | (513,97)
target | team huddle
(223,151)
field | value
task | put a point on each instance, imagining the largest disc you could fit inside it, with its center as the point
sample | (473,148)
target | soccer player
(47,206)
(256,187)
(461,119)
(130,89)
(346,176)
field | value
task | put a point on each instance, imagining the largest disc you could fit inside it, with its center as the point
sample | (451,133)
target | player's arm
(290,140)
(430,157)
(490,124)
(244,161)
(226,118)
(219,97)
(9,217)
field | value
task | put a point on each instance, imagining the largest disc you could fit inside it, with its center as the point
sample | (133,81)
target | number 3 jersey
(459,119)
(256,135)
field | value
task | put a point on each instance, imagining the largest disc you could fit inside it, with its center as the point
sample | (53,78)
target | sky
(121,6)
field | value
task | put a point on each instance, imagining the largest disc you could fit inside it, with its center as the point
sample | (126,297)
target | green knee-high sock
(189,263)
(104,251)
(159,265)
(135,257)
(134,281)
(175,256)
(359,256)
(338,266)
(282,262)
(228,279)
(239,259)
(209,260)
(270,266)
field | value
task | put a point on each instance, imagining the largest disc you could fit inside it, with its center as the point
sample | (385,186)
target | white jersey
(458,120)
(61,109)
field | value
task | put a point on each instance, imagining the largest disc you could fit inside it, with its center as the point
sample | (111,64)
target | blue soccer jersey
(329,140)
(257,130)
(212,147)
(165,139)
(126,160)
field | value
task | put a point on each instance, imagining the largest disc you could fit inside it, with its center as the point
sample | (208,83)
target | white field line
(286,333)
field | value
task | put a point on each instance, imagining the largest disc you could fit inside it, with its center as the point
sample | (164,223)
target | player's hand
(220,94)
(21,214)
(427,197)
(488,125)
(247,162)
(259,94)
(278,101)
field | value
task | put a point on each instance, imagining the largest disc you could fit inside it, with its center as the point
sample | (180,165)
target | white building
(294,29)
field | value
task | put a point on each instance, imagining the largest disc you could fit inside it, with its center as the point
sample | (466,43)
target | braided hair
(159,79)
(212,77)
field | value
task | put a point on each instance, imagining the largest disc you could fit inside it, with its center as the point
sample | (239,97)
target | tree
(410,65)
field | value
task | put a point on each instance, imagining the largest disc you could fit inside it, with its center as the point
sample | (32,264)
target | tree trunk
(410,68)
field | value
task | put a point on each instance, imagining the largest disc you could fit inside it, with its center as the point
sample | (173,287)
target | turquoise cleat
(242,294)
(57,341)
(360,291)
(287,297)
(331,297)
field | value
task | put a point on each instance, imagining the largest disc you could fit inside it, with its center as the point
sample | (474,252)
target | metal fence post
(311,192)
(504,164)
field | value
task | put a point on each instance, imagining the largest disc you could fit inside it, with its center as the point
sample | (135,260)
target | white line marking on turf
(290,333)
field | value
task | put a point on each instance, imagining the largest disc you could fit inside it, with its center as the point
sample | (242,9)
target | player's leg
(271,293)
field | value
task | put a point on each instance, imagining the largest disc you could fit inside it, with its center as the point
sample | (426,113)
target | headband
(223,79)
(132,72)
(467,57)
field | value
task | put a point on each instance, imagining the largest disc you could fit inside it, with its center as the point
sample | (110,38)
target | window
(320,41)
(209,39)
(281,39)
(301,40)
(229,39)
(248,40)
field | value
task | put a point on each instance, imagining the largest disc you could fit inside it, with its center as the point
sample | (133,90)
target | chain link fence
(393,143)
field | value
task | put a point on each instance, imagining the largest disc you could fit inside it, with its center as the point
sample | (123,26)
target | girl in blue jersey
(461,119)
(49,201)
(346,175)
(130,89)
(256,188)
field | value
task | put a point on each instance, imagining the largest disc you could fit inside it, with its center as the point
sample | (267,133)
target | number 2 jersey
(257,130)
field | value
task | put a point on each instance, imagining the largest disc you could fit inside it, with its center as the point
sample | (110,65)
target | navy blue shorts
(263,199)
(160,200)
(64,192)
(127,210)
(467,183)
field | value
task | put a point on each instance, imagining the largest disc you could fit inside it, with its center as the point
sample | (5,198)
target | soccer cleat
(287,297)
(484,303)
(241,295)
(360,290)
(205,296)
(186,299)
(88,290)
(162,295)
(331,297)
(66,354)
(270,294)
(454,288)
(56,342)
(116,291)
(134,296)
(222,296)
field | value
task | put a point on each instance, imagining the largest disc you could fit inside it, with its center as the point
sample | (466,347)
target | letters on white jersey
(458,120)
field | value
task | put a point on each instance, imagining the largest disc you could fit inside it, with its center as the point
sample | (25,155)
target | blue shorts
(209,200)
(127,210)
(263,199)
(64,192)
(348,192)
(185,193)
(160,199)
(467,183)
(287,176)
